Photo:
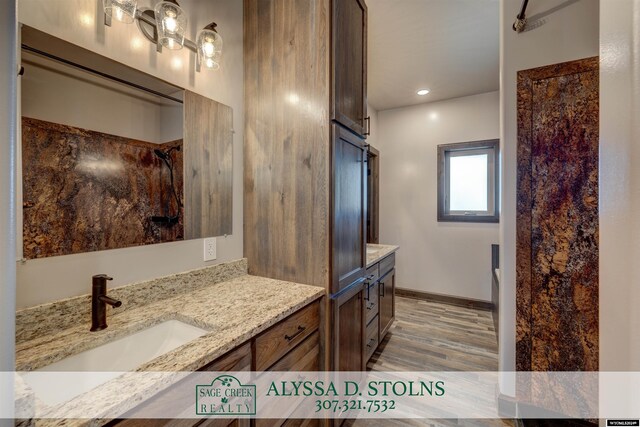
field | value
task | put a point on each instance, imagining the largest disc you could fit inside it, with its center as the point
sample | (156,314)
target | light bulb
(170,24)
(209,48)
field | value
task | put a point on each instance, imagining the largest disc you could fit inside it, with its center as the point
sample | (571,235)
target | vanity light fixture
(171,23)
(165,26)
(209,47)
(423,92)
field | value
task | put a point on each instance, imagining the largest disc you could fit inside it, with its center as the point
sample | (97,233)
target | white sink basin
(109,360)
(371,251)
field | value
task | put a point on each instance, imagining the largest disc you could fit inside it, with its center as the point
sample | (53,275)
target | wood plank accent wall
(287,139)
(208,167)
(557,218)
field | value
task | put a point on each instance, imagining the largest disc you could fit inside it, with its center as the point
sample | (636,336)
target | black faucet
(99,301)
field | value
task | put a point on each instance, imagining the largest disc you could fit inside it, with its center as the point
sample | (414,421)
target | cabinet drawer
(387,264)
(285,336)
(371,302)
(371,340)
(303,358)
(236,360)
(373,274)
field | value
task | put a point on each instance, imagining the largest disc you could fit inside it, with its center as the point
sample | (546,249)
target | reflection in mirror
(103,157)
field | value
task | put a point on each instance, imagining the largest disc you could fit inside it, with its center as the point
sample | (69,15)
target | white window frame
(445,153)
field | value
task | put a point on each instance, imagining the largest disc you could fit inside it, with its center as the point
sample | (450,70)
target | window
(468,182)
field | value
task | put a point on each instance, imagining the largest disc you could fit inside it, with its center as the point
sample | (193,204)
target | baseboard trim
(507,405)
(447,299)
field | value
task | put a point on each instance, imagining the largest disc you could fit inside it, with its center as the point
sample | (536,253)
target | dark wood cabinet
(349,329)
(349,207)
(305,174)
(386,303)
(379,303)
(349,48)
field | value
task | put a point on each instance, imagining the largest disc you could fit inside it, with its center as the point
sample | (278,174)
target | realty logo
(226,395)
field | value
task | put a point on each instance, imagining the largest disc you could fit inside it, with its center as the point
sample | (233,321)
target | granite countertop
(234,311)
(235,307)
(375,253)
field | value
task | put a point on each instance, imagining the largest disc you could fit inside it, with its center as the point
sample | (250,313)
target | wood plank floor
(433,336)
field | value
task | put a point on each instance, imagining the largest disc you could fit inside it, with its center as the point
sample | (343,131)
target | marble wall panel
(87,191)
(557,219)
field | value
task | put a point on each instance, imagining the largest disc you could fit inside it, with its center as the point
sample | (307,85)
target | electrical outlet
(210,249)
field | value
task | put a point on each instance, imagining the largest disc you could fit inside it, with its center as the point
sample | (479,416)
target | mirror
(115,158)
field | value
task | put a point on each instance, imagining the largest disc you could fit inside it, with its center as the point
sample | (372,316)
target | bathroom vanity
(380,304)
(247,323)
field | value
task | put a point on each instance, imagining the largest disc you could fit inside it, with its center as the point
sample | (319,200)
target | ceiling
(450,47)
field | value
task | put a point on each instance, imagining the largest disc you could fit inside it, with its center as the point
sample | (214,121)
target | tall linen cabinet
(305,157)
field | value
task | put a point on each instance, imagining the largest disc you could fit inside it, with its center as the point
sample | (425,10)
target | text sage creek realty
(352,388)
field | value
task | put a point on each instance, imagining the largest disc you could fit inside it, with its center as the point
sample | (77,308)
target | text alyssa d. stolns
(353,388)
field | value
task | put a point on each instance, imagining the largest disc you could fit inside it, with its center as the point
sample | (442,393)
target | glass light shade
(121,10)
(171,22)
(209,44)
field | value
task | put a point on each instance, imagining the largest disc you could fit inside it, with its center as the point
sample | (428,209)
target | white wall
(438,257)
(80,22)
(8,146)
(568,30)
(619,186)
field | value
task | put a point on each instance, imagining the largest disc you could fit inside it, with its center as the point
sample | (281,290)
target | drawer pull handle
(301,329)
(368,281)
(371,341)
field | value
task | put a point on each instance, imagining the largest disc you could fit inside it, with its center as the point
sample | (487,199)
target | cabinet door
(349,209)
(208,167)
(349,330)
(350,64)
(387,304)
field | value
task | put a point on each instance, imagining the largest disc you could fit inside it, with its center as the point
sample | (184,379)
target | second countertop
(376,253)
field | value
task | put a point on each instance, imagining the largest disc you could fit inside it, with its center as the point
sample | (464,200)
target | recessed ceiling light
(423,92)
